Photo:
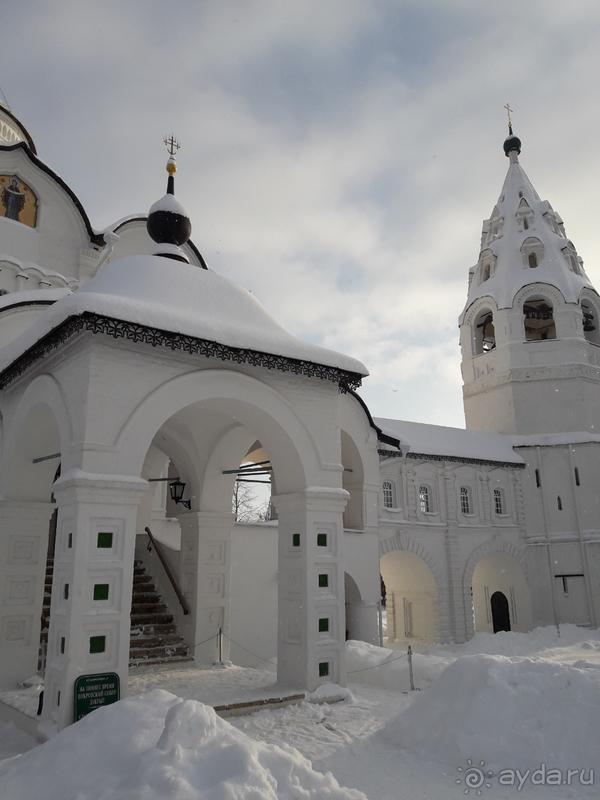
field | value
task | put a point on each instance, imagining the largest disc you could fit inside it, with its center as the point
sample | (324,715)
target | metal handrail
(178,592)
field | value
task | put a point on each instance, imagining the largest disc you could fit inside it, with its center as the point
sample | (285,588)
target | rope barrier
(214,636)
(272,663)
(383,664)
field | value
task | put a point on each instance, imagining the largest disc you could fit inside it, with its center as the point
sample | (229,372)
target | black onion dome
(512,142)
(168,222)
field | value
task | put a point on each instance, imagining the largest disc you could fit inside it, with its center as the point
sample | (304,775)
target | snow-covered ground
(527,705)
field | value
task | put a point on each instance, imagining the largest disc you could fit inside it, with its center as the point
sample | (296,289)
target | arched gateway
(156,358)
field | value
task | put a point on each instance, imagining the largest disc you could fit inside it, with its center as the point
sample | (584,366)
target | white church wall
(60,235)
(254,594)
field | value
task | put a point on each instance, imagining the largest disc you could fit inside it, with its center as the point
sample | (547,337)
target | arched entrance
(500,612)
(501,598)
(412,599)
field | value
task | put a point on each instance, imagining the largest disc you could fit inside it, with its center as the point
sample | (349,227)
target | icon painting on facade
(17,201)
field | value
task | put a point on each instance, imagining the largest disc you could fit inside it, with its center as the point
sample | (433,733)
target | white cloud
(337,158)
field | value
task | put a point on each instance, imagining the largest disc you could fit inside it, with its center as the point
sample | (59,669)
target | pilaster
(311,628)
(92,586)
(205,571)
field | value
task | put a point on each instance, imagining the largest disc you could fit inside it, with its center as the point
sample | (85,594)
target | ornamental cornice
(133,332)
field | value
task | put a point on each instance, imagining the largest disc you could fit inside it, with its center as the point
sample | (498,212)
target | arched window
(538,319)
(532,252)
(484,332)
(499,502)
(591,329)
(425,499)
(466,506)
(388,494)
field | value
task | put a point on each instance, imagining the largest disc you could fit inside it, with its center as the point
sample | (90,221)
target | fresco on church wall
(17,201)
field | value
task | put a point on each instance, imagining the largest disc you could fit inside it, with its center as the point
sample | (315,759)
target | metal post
(410,669)
(220,645)
(380,612)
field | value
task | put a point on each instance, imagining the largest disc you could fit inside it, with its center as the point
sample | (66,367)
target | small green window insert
(323,669)
(101,591)
(105,539)
(70,540)
(321,540)
(323,581)
(296,540)
(323,625)
(66,591)
(62,644)
(97,644)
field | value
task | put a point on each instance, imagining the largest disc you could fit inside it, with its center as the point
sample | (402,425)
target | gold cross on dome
(172,144)
(508,110)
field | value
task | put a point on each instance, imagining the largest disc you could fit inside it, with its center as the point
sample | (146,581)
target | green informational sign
(93,691)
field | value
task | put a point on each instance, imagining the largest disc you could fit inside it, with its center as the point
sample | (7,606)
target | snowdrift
(388,669)
(155,746)
(512,713)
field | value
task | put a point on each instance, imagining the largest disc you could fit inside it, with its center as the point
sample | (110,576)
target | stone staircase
(154,640)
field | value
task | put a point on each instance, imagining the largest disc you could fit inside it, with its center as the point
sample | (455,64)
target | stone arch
(484,333)
(252,403)
(437,600)
(590,309)
(545,289)
(402,542)
(477,306)
(353,479)
(412,598)
(41,426)
(492,546)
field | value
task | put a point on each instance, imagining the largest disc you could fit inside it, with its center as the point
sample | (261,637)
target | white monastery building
(137,386)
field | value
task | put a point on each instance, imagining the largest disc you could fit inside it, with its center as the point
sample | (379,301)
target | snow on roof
(510,274)
(437,440)
(171,296)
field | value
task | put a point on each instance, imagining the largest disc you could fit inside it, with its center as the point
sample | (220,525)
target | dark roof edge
(30,143)
(144,217)
(95,238)
(383,437)
(465,460)
(120,329)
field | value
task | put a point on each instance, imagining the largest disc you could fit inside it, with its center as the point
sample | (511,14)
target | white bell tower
(530,330)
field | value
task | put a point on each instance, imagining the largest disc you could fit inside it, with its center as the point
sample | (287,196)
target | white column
(23,550)
(311,627)
(205,571)
(91,590)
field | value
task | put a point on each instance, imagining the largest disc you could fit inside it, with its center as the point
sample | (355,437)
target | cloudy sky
(338,156)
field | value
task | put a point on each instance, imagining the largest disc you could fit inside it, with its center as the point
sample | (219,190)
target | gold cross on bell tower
(508,110)
(172,144)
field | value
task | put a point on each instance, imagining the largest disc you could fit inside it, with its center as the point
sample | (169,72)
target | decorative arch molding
(251,398)
(546,290)
(481,304)
(403,542)
(40,426)
(495,545)
(43,390)
(591,295)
